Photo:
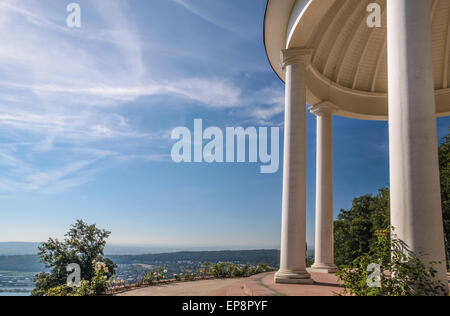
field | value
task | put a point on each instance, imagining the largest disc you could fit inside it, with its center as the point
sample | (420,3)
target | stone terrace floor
(264,285)
(259,285)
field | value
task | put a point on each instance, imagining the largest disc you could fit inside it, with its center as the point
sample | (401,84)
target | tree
(444,164)
(84,245)
(355,229)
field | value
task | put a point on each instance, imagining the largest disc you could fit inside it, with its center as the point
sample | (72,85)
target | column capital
(323,108)
(296,55)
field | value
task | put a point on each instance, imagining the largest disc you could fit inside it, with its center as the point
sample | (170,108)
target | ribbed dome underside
(354,56)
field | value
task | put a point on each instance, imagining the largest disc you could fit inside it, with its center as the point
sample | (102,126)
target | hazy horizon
(30,248)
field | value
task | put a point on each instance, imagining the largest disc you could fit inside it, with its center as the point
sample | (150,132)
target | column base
(293,277)
(323,268)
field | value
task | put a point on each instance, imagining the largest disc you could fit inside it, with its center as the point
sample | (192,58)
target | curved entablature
(349,61)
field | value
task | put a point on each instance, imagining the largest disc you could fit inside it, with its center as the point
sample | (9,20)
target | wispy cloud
(56,89)
(227,15)
(205,16)
(64,91)
(264,107)
(209,92)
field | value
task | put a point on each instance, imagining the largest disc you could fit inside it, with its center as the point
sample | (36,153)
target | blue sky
(86,116)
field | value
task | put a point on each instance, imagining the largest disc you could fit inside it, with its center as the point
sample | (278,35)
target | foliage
(229,270)
(444,164)
(190,277)
(178,277)
(309,261)
(215,270)
(218,270)
(402,273)
(354,230)
(83,245)
(62,290)
(155,275)
(95,287)
(99,283)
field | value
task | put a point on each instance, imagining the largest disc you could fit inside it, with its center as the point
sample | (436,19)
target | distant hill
(30,263)
(26,263)
(271,257)
(18,248)
(31,248)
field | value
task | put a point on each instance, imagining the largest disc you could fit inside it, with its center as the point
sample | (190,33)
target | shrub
(202,273)
(218,270)
(177,277)
(155,275)
(98,285)
(229,270)
(190,277)
(83,245)
(402,273)
(62,290)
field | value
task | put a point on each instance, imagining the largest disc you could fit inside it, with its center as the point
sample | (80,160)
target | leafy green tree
(354,230)
(444,164)
(84,245)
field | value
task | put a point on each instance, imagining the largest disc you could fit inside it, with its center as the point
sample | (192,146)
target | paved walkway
(264,285)
(259,285)
(195,288)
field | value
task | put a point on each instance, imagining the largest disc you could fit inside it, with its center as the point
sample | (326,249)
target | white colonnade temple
(339,64)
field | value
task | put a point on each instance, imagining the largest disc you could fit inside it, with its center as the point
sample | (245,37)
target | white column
(293,240)
(416,210)
(324,248)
